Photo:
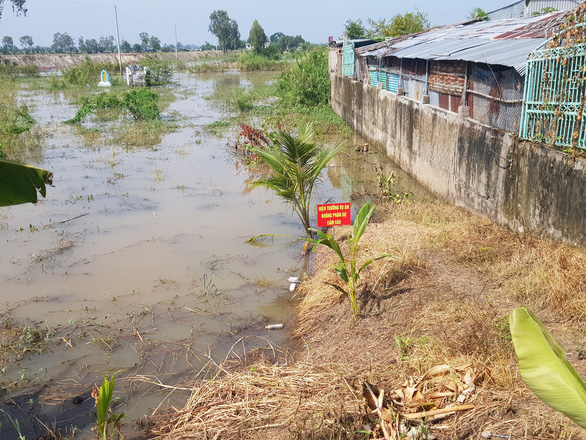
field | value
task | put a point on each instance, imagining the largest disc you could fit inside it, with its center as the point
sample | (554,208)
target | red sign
(334,214)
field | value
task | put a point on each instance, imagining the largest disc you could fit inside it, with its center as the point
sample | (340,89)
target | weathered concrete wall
(525,186)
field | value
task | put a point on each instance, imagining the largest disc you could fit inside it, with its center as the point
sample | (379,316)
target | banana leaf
(19,183)
(544,368)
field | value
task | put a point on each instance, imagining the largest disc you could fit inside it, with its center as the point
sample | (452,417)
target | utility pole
(176,50)
(118,40)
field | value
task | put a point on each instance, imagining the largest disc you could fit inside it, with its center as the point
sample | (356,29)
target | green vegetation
(354,29)
(88,72)
(14,119)
(408,23)
(296,165)
(350,275)
(141,104)
(10,69)
(400,24)
(544,367)
(19,183)
(15,424)
(478,13)
(105,416)
(255,61)
(225,29)
(307,83)
(159,71)
(257,36)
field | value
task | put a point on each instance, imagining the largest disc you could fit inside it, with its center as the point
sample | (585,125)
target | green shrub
(10,69)
(15,120)
(159,71)
(141,104)
(88,72)
(307,82)
(252,61)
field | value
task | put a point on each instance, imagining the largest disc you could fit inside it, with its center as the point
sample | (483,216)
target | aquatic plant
(105,417)
(88,72)
(141,104)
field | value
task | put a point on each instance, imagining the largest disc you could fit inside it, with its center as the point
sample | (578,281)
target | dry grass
(444,299)
(262,399)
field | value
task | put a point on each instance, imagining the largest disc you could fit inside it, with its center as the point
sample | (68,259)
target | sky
(314,20)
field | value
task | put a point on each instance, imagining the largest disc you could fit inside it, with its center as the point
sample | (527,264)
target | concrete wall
(523,185)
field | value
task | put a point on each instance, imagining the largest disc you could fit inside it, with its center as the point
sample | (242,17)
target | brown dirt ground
(443,299)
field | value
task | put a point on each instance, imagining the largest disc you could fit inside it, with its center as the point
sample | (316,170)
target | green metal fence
(553,98)
(348,59)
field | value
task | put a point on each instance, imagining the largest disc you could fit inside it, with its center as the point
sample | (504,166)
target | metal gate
(348,59)
(554,94)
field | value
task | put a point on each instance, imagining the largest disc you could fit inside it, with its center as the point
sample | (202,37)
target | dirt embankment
(432,332)
(67,61)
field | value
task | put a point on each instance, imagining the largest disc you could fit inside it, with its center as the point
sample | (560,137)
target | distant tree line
(221,25)
(64,43)
(228,34)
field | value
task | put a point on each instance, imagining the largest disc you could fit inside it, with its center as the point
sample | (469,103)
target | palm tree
(296,166)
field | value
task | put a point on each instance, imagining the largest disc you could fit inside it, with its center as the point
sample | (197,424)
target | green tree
(106,44)
(275,37)
(17,6)
(408,23)
(307,82)
(296,165)
(355,29)
(257,36)
(125,46)
(289,42)
(155,43)
(26,42)
(478,13)
(87,46)
(62,43)
(7,44)
(225,29)
(144,41)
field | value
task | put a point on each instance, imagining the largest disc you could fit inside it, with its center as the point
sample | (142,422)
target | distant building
(475,68)
(520,9)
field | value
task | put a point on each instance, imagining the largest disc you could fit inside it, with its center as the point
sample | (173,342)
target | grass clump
(251,61)
(141,133)
(141,104)
(13,70)
(208,67)
(88,72)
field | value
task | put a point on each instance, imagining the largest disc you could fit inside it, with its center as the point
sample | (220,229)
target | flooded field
(136,263)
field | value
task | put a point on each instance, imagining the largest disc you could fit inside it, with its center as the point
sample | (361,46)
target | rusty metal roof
(504,42)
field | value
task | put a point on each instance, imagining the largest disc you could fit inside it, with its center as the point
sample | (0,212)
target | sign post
(334,214)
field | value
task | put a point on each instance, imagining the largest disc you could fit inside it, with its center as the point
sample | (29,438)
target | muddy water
(136,264)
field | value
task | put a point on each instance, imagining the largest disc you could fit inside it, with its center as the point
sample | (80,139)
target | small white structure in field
(136,76)
(104,79)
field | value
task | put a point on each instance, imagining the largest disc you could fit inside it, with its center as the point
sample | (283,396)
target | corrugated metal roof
(505,42)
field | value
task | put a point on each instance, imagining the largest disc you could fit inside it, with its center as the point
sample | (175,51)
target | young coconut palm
(296,167)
